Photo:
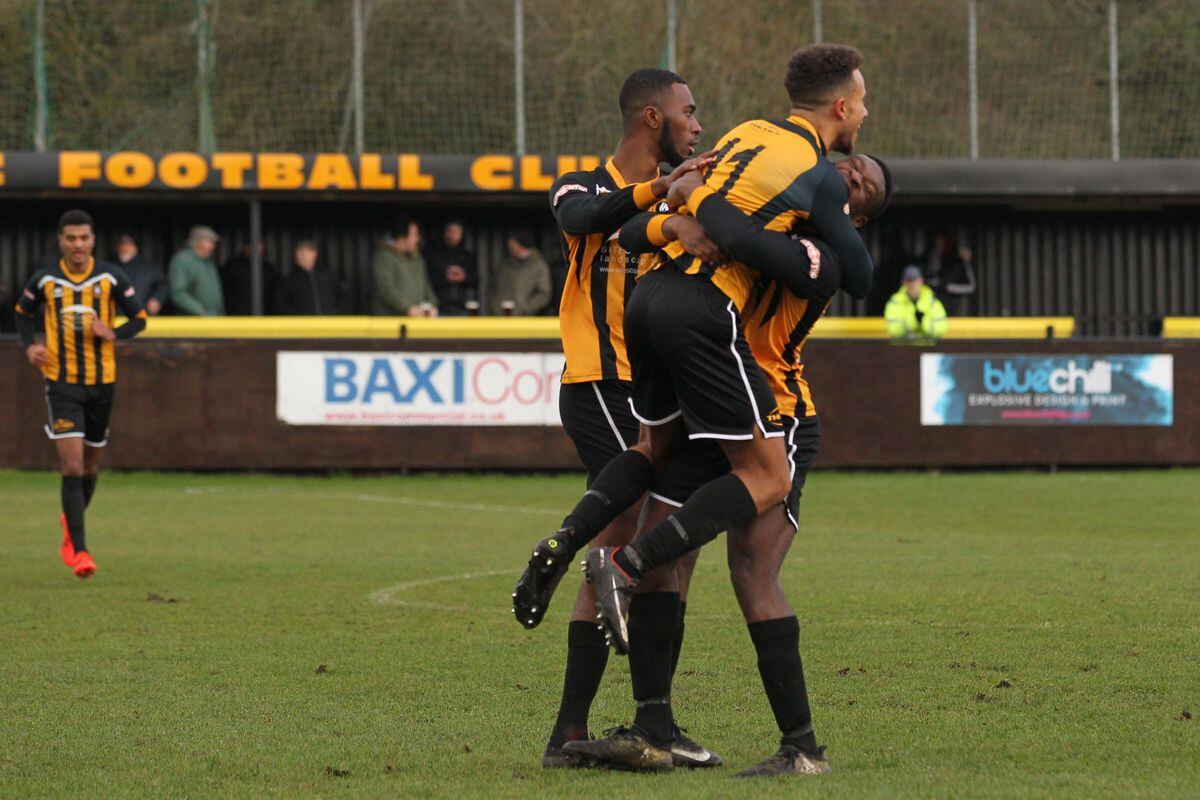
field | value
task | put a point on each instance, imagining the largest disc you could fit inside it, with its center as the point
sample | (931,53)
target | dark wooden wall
(211,406)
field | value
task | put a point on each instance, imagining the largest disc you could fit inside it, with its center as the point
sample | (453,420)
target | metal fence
(946,78)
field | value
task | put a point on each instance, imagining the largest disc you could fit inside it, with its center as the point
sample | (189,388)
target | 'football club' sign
(1046,390)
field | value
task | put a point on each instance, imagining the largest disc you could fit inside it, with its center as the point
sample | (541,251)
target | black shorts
(596,416)
(690,359)
(76,410)
(698,462)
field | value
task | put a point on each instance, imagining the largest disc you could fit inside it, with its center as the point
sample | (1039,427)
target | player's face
(680,133)
(852,111)
(76,243)
(865,183)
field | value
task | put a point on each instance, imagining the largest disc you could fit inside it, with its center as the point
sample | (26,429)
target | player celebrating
(79,295)
(783,315)
(693,369)
(659,125)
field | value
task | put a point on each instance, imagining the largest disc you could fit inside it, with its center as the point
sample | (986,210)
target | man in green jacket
(522,279)
(914,312)
(399,283)
(195,282)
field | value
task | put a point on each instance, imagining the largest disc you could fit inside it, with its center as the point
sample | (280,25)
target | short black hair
(887,184)
(400,225)
(816,72)
(642,88)
(524,237)
(75,217)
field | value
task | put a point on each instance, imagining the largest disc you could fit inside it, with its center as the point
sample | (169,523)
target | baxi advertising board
(345,388)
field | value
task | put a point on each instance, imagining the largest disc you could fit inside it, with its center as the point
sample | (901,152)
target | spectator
(453,272)
(237,282)
(399,283)
(309,288)
(195,282)
(914,312)
(147,277)
(951,271)
(522,278)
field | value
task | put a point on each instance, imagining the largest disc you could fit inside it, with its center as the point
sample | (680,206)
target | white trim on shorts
(612,425)
(71,435)
(653,423)
(791,458)
(740,437)
(95,444)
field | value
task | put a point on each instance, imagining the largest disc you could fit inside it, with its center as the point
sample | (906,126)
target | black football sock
(677,646)
(89,488)
(587,655)
(72,505)
(777,642)
(619,485)
(653,622)
(716,506)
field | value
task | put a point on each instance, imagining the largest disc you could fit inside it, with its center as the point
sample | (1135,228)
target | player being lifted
(79,296)
(784,313)
(693,369)
(659,125)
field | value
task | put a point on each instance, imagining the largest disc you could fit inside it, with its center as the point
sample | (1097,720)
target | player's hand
(37,354)
(693,165)
(690,233)
(103,331)
(682,189)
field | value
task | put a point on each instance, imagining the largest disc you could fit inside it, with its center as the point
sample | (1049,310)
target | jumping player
(77,358)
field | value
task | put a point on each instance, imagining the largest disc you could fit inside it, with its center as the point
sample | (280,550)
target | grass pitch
(984,635)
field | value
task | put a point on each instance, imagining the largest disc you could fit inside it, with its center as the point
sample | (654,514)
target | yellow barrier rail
(1181,328)
(547,328)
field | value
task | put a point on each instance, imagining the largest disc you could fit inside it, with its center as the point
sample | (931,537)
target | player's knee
(72,467)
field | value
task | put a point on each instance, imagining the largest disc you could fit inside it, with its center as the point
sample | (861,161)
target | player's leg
(756,555)
(597,419)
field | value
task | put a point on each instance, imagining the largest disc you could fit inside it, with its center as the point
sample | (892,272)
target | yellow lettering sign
(1,169)
(183,170)
(589,163)
(233,168)
(411,177)
(492,173)
(371,175)
(75,167)
(280,171)
(532,177)
(129,170)
(331,171)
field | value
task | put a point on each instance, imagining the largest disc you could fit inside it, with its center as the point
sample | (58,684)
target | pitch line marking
(387,596)
(386,499)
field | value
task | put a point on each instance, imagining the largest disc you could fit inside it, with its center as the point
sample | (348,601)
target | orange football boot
(85,567)
(68,549)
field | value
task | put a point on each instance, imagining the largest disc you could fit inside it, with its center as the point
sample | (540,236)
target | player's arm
(646,233)
(579,209)
(131,307)
(26,309)
(830,217)
(804,264)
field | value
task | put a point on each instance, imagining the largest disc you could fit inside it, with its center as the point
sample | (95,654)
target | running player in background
(659,126)
(79,297)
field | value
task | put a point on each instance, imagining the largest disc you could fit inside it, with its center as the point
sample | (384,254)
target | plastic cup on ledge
(507,307)
(472,308)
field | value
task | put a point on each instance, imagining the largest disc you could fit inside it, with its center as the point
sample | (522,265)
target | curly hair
(816,72)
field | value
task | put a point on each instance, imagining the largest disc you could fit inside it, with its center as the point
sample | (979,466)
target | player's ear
(652,117)
(839,108)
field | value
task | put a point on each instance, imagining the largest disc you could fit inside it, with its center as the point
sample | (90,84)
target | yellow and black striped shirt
(777,173)
(590,208)
(71,302)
